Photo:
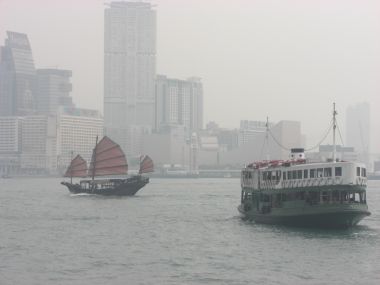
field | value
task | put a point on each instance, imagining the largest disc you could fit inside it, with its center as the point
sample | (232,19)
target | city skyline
(332,71)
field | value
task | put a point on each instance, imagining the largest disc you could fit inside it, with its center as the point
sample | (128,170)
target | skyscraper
(129,70)
(17,76)
(53,90)
(357,129)
(179,102)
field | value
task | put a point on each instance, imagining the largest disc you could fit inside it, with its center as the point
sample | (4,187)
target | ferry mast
(334,128)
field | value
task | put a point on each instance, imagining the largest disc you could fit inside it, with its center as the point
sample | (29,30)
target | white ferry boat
(294,192)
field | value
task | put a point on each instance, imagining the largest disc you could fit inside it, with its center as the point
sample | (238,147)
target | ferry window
(294,174)
(249,175)
(364,174)
(305,173)
(319,172)
(284,175)
(338,171)
(325,196)
(289,175)
(299,174)
(328,172)
(357,171)
(312,173)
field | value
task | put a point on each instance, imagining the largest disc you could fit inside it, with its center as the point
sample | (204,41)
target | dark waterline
(175,231)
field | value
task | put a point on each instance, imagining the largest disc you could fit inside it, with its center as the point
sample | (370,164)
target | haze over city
(189,142)
(283,59)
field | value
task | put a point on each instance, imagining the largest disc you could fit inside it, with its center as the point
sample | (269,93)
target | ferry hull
(125,188)
(331,219)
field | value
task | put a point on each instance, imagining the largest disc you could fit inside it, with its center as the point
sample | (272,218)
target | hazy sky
(286,59)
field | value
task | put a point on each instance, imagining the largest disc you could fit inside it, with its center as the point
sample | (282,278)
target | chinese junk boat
(294,192)
(108,159)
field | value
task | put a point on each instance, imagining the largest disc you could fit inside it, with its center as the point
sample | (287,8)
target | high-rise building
(129,70)
(357,129)
(179,102)
(53,90)
(17,76)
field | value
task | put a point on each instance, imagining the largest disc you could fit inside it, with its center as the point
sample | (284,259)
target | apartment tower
(129,71)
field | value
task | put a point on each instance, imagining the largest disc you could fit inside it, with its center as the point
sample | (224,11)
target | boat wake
(81,194)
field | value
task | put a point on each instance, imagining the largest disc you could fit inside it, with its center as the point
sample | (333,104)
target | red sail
(146,164)
(108,159)
(77,168)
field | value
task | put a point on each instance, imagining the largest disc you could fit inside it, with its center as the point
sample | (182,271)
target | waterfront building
(10,145)
(286,135)
(53,90)
(249,130)
(17,76)
(376,166)
(10,134)
(179,102)
(228,139)
(345,153)
(167,147)
(129,70)
(38,147)
(77,130)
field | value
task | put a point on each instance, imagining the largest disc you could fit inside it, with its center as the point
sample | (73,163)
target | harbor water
(174,231)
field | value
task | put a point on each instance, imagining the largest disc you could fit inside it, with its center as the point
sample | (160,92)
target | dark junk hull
(342,216)
(110,187)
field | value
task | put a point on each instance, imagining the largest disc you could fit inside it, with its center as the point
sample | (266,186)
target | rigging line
(277,142)
(324,137)
(262,148)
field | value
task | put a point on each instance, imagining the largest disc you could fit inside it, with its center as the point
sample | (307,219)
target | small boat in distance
(108,159)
